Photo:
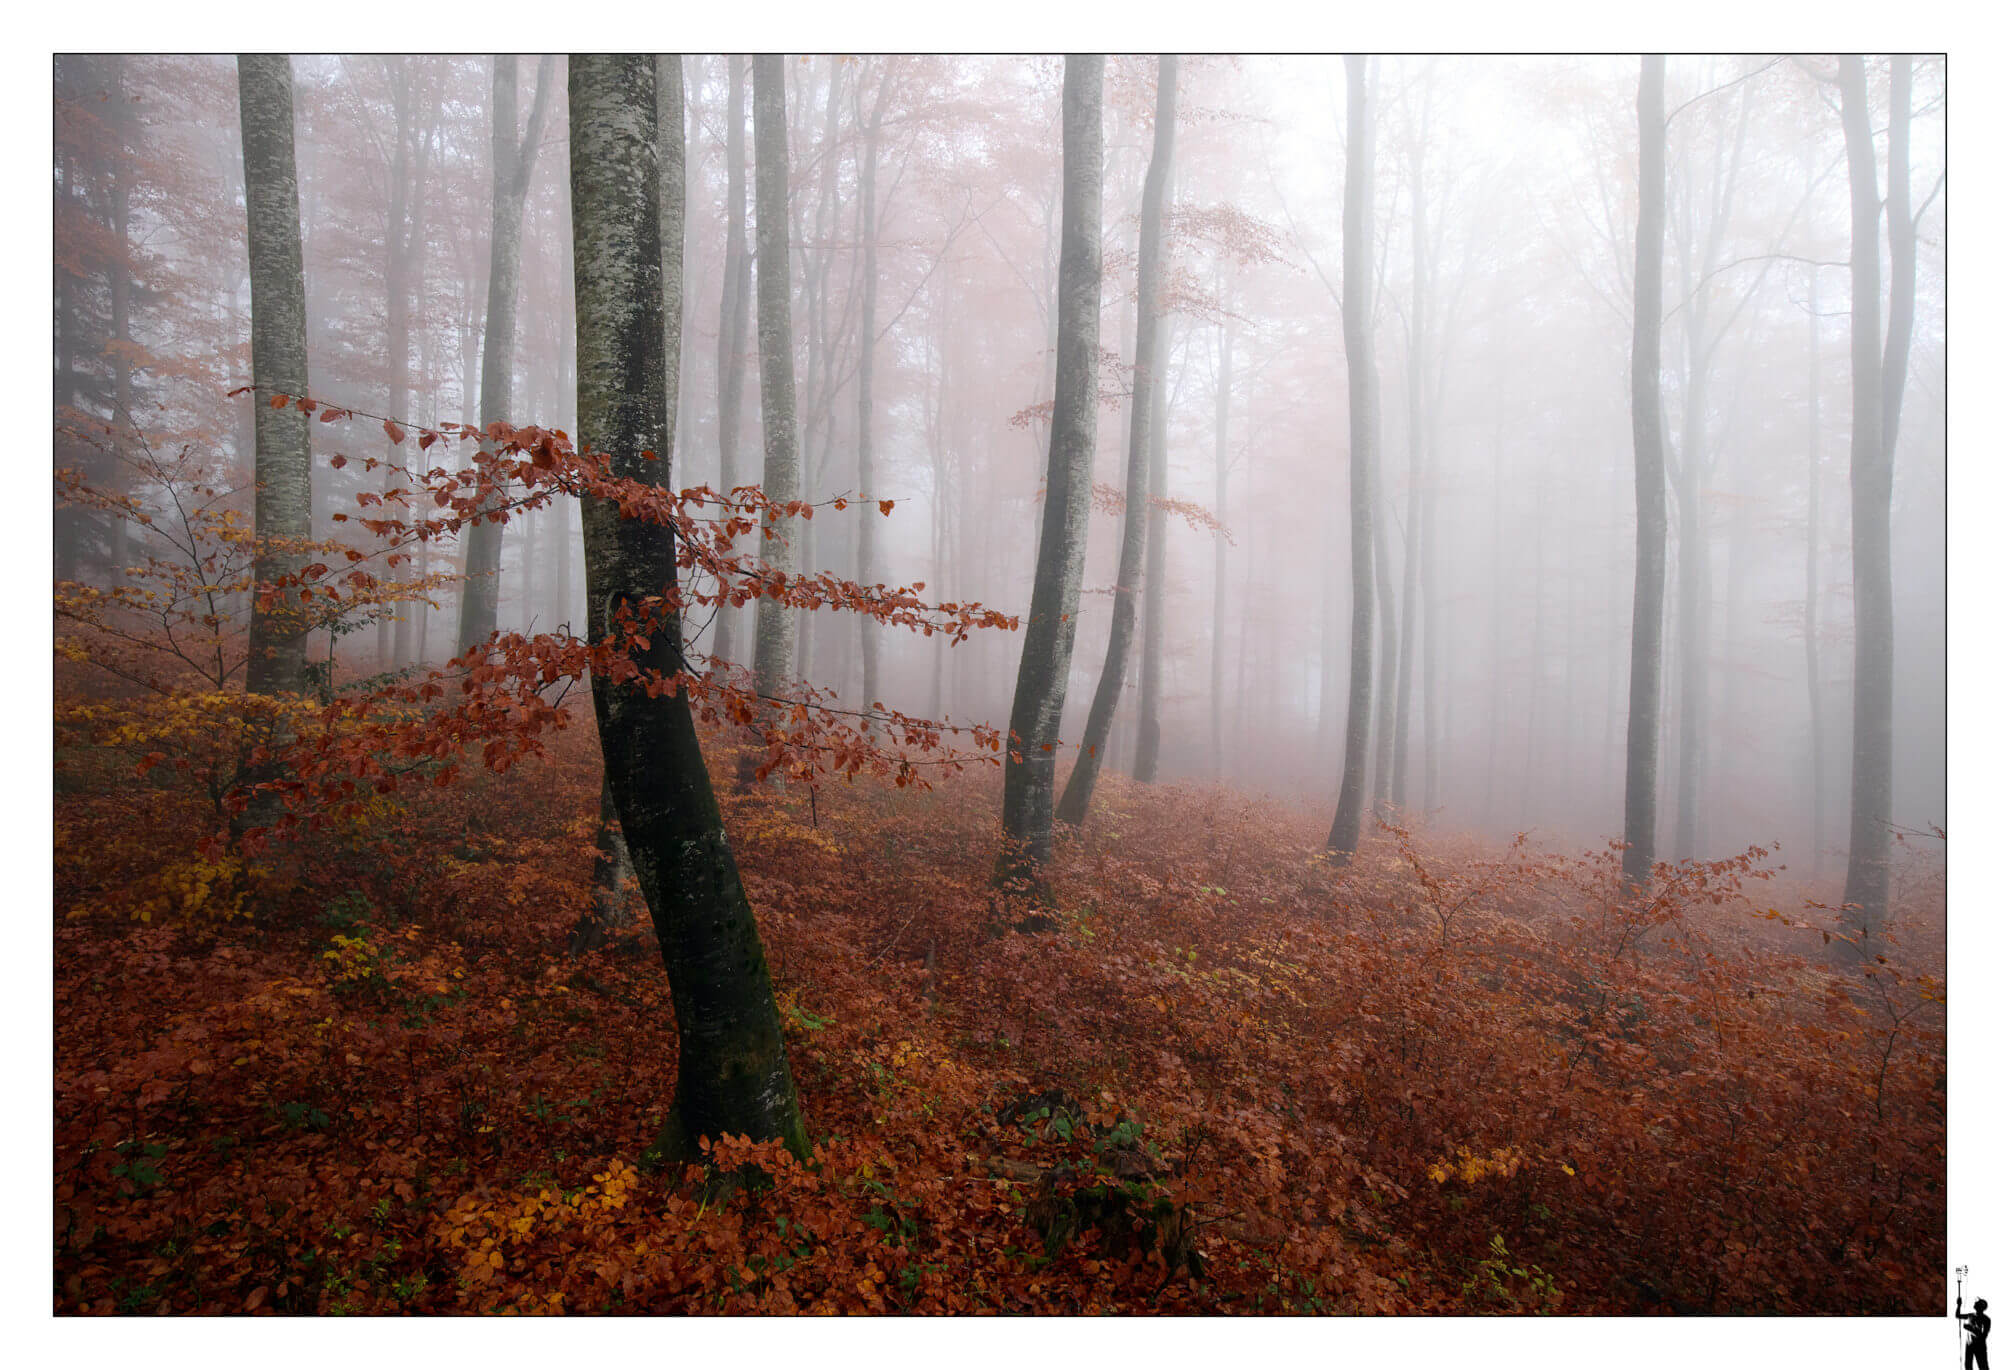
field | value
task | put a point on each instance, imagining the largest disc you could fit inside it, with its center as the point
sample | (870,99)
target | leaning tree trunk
(277,661)
(1357,274)
(1146,382)
(776,388)
(513,166)
(1028,801)
(1870,480)
(1649,584)
(733,1075)
(734,337)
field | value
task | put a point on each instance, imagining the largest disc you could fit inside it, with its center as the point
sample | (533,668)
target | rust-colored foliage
(345,1065)
(1231,1080)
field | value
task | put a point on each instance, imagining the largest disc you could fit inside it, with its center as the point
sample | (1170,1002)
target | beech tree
(415,136)
(1153,599)
(1649,586)
(734,1076)
(734,330)
(871,641)
(1146,383)
(513,166)
(776,623)
(277,366)
(1878,400)
(1356,313)
(1027,812)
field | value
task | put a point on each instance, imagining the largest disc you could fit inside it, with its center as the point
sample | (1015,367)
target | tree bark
(513,166)
(277,659)
(871,631)
(1153,603)
(1146,383)
(733,1075)
(735,335)
(1388,659)
(1219,618)
(1414,549)
(1356,279)
(1870,481)
(1813,702)
(1028,802)
(776,388)
(1649,588)
(403,268)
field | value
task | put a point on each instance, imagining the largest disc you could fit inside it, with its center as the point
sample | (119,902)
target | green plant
(1497,1280)
(138,1167)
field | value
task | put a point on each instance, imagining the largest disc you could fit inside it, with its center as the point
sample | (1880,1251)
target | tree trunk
(1693,605)
(870,630)
(1356,277)
(733,1075)
(735,338)
(1494,642)
(1649,582)
(1386,665)
(1147,382)
(671,89)
(818,271)
(277,660)
(1028,803)
(1870,480)
(1219,615)
(402,272)
(773,668)
(1413,539)
(1153,618)
(513,166)
(1813,702)
(565,516)
(124,421)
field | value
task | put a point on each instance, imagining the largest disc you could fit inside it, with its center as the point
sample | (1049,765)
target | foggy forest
(929,684)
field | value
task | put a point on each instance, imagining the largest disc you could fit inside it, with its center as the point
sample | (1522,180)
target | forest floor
(1450,1078)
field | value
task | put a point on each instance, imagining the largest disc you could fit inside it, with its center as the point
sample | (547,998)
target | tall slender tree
(1416,387)
(1357,326)
(513,166)
(776,390)
(1153,600)
(277,366)
(734,1076)
(871,640)
(1878,402)
(1225,357)
(1146,383)
(1649,586)
(734,340)
(1048,637)
(409,161)
(1815,707)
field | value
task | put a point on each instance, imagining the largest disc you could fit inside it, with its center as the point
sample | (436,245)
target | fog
(1503,343)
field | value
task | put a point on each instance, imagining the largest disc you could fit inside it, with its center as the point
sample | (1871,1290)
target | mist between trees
(1462,446)
(1504,209)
